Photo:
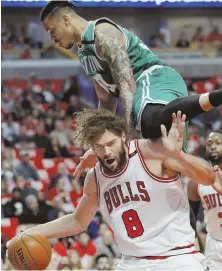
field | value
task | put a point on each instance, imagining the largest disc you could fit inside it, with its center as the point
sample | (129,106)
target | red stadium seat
(8,227)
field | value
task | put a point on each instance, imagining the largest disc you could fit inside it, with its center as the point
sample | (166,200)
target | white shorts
(213,253)
(180,262)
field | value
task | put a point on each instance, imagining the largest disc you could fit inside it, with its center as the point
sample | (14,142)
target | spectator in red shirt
(214,35)
(58,189)
(26,54)
(76,193)
(198,35)
(86,249)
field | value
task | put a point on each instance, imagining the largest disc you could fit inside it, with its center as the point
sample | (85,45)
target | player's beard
(215,160)
(122,160)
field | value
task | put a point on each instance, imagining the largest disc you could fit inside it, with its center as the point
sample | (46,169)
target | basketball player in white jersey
(211,198)
(137,187)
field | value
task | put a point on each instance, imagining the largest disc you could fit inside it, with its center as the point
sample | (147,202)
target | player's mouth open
(110,161)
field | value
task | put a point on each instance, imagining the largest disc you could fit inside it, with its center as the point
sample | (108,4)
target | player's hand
(218,179)
(173,141)
(88,160)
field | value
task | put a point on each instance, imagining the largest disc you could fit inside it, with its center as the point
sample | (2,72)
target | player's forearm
(62,227)
(114,52)
(123,77)
(199,170)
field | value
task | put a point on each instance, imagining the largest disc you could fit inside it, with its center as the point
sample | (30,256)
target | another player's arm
(72,224)
(195,168)
(111,46)
(193,196)
(190,166)
(106,100)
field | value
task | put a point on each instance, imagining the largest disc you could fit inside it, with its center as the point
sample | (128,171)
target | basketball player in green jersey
(122,66)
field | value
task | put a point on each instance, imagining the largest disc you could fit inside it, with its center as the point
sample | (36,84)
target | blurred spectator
(156,41)
(59,189)
(76,193)
(183,41)
(48,94)
(25,190)
(57,149)
(86,249)
(15,207)
(198,35)
(25,139)
(7,171)
(35,213)
(102,262)
(60,134)
(73,107)
(214,35)
(7,103)
(35,34)
(74,260)
(62,174)
(26,54)
(5,193)
(43,142)
(70,88)
(105,243)
(25,168)
(26,102)
(10,130)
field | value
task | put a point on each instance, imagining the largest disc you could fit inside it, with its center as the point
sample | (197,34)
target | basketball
(29,252)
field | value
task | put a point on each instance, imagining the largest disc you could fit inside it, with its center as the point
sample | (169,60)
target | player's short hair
(214,131)
(53,6)
(92,123)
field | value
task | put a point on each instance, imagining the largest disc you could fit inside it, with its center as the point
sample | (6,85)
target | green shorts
(157,85)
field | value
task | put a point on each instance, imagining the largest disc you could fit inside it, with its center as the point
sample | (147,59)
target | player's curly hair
(92,123)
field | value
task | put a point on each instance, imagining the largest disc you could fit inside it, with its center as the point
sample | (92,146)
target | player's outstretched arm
(111,46)
(191,166)
(72,224)
(169,150)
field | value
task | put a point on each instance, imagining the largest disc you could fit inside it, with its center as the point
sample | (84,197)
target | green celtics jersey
(140,56)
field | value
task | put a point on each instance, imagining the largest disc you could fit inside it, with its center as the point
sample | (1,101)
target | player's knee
(151,120)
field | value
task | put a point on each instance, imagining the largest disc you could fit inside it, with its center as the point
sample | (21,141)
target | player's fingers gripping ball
(29,252)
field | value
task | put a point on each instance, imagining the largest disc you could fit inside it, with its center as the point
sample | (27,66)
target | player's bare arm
(111,46)
(106,100)
(72,224)
(192,191)
(169,150)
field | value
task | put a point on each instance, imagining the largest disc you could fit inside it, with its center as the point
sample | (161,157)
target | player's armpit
(106,100)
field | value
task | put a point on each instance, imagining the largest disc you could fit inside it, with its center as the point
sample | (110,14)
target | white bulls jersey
(212,204)
(148,215)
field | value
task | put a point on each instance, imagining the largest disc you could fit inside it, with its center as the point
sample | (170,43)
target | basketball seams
(39,243)
(29,253)
(14,251)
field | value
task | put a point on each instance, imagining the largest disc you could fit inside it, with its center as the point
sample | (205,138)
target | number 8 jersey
(148,215)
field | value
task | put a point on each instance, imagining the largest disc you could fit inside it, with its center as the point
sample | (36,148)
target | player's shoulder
(107,28)
(150,149)
(90,182)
